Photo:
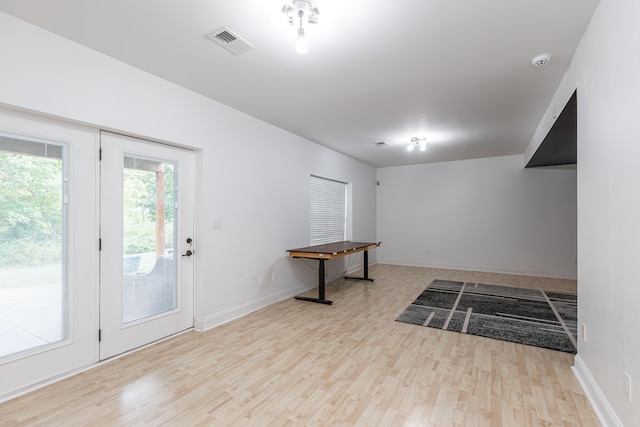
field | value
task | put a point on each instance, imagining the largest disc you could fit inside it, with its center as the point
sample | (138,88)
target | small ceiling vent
(381,144)
(230,41)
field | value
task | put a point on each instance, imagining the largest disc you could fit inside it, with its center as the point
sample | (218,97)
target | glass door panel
(149,263)
(32,245)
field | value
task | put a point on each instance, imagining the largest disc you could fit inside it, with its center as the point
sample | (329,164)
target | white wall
(605,72)
(251,176)
(484,214)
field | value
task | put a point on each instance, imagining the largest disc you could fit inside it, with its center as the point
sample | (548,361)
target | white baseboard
(484,269)
(603,410)
(203,323)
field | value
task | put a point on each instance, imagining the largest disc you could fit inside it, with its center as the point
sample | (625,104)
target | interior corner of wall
(198,324)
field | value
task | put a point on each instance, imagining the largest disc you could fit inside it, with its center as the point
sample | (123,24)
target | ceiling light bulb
(410,147)
(301,42)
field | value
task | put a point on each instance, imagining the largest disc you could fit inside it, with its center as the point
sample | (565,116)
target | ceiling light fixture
(417,142)
(301,14)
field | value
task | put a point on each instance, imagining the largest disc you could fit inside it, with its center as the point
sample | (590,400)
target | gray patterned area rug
(526,316)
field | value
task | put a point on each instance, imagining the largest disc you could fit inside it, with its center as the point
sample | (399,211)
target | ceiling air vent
(380,144)
(230,41)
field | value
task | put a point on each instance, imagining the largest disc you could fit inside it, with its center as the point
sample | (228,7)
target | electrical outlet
(627,386)
(427,252)
(260,280)
(273,276)
(584,332)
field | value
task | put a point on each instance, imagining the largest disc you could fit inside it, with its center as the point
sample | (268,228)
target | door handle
(189,252)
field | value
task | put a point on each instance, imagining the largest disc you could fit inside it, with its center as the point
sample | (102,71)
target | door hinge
(100,244)
(99,335)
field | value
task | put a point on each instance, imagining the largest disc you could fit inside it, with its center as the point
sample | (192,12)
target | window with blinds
(328,210)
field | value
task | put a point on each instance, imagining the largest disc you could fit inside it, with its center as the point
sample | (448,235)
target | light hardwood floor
(349,364)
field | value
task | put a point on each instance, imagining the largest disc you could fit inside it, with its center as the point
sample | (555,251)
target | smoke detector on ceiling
(230,41)
(541,60)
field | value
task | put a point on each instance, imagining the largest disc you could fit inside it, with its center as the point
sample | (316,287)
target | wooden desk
(329,251)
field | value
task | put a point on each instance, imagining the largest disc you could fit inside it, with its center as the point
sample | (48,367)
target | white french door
(146,262)
(48,249)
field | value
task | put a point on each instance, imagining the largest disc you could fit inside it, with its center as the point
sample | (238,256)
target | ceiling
(456,72)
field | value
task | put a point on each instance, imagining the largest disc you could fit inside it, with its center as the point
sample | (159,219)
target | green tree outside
(30,210)
(139,209)
(31,223)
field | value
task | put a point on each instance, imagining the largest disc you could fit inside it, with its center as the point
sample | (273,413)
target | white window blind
(328,208)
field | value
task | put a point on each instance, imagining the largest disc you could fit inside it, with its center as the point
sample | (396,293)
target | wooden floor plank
(349,364)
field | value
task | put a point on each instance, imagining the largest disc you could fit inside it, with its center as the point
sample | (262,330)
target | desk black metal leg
(366,270)
(321,280)
(366,265)
(320,298)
